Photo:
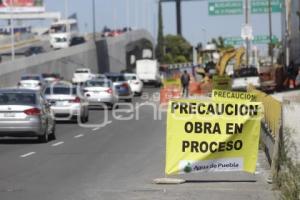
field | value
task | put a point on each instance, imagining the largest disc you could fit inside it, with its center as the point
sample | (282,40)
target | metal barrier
(272,111)
(272,129)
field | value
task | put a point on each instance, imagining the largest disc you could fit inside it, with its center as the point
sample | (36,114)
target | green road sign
(236,7)
(234,41)
(262,6)
(232,7)
(259,39)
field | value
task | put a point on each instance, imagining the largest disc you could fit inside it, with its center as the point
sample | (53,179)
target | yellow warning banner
(204,136)
(224,95)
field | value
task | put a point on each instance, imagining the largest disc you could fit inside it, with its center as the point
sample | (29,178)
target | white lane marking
(57,144)
(137,107)
(27,154)
(79,136)
(97,128)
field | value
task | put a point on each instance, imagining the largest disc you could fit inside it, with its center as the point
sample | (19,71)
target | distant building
(291,31)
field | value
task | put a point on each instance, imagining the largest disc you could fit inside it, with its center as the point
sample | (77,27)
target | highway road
(20,50)
(116,161)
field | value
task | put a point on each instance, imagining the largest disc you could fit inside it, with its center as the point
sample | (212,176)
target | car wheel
(52,136)
(86,119)
(44,138)
(83,119)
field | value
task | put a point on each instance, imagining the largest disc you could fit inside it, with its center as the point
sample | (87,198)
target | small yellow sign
(222,83)
(204,136)
(225,95)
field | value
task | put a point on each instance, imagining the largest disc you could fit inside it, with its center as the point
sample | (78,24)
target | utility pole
(270,33)
(12,30)
(178,15)
(247,38)
(66,8)
(94,20)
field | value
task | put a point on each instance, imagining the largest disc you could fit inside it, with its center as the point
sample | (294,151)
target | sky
(197,25)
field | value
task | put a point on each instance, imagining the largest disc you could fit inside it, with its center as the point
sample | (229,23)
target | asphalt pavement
(118,159)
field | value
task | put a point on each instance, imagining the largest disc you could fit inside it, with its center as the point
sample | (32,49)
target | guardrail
(272,128)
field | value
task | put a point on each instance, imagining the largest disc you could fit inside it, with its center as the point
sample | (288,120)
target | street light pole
(204,35)
(12,31)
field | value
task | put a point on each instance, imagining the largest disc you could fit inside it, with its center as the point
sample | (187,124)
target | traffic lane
(118,161)
(73,168)
(68,130)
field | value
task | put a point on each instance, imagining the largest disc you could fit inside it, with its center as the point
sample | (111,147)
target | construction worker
(185,83)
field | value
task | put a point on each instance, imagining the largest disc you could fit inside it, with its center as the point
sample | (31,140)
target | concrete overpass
(106,55)
(115,53)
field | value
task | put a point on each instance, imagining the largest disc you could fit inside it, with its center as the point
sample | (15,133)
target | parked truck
(147,71)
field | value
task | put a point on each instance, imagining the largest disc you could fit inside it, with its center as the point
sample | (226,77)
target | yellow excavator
(226,56)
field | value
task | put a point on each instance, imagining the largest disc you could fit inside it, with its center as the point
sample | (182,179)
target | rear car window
(116,78)
(61,90)
(24,78)
(81,71)
(17,99)
(98,84)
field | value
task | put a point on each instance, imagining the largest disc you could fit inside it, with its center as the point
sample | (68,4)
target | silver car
(99,92)
(31,81)
(25,113)
(67,102)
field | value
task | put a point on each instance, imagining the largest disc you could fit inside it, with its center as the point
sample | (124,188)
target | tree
(220,43)
(180,59)
(178,48)
(160,37)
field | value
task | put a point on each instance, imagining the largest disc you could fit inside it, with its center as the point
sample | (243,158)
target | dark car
(34,50)
(121,85)
(77,41)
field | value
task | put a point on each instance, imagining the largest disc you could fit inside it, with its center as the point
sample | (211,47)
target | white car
(82,75)
(67,102)
(99,92)
(244,77)
(32,81)
(135,83)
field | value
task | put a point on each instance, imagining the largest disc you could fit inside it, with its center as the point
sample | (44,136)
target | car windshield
(17,98)
(60,28)
(61,91)
(98,84)
(246,72)
(50,75)
(24,78)
(116,78)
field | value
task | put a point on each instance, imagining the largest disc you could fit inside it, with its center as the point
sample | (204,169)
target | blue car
(123,88)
